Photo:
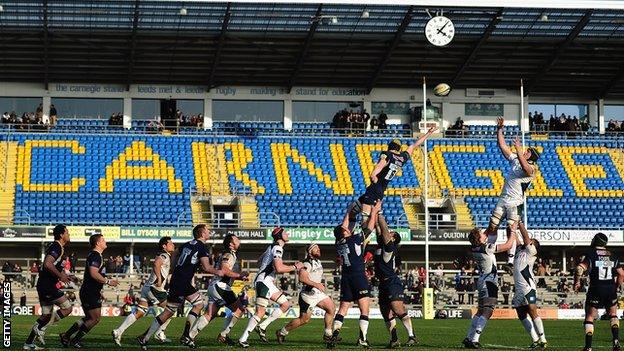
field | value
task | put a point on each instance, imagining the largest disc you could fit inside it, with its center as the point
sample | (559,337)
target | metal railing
(228,220)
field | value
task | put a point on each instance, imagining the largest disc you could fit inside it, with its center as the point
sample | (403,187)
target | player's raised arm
(526,239)
(511,237)
(421,140)
(526,167)
(208,268)
(280,267)
(382,229)
(502,144)
(227,262)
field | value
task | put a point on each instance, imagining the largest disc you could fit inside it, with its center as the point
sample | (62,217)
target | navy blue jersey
(394,165)
(189,258)
(89,284)
(601,267)
(47,278)
(351,251)
(385,260)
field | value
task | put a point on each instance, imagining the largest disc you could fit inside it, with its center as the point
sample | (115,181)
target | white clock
(439,31)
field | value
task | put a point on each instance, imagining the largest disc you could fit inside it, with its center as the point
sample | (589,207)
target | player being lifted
(51,272)
(220,291)
(266,291)
(191,255)
(390,286)
(483,250)
(153,292)
(390,163)
(525,290)
(312,294)
(90,293)
(521,173)
(605,276)
(353,283)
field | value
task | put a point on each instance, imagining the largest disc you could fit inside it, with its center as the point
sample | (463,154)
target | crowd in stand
(115,119)
(562,123)
(185,120)
(615,126)
(358,120)
(458,129)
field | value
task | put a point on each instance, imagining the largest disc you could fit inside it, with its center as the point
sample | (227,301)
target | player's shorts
(309,299)
(390,290)
(523,297)
(373,194)
(179,292)
(353,287)
(266,289)
(221,295)
(47,295)
(152,295)
(487,289)
(512,212)
(601,297)
(90,299)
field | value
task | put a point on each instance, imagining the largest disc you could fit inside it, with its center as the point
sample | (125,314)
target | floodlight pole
(425,186)
(522,131)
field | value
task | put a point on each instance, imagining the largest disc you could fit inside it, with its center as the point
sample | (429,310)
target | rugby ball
(442,89)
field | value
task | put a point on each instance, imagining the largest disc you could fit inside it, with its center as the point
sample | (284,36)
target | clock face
(439,31)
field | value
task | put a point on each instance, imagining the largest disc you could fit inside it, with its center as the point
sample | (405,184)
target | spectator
(23,299)
(470,289)
(6,118)
(506,290)
(383,118)
(461,290)
(374,123)
(73,261)
(110,264)
(34,271)
(126,263)
(53,115)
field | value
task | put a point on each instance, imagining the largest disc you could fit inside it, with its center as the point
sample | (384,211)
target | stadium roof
(568,52)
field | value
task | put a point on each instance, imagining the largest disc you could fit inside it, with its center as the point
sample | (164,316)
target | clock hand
(440,30)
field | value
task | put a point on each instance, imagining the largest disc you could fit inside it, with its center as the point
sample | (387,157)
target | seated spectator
(457,129)
(6,118)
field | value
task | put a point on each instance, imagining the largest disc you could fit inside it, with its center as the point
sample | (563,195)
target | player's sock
(154,327)
(363,326)
(56,316)
(473,327)
(81,333)
(539,328)
(589,333)
(528,326)
(163,327)
(283,331)
(253,321)
(39,324)
(615,329)
(271,318)
(407,323)
(75,327)
(190,320)
(391,325)
(200,324)
(230,322)
(338,320)
(481,322)
(130,319)
(511,253)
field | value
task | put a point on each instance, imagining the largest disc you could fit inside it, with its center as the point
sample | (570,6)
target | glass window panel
(190,107)
(320,111)
(614,112)
(19,105)
(145,108)
(87,108)
(247,110)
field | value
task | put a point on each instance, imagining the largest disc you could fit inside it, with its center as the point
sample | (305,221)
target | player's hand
(321,287)
(298,265)
(500,122)
(374,179)
(244,276)
(113,282)
(432,130)
(64,278)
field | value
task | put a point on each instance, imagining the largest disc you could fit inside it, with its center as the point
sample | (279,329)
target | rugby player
(90,294)
(312,294)
(605,276)
(153,292)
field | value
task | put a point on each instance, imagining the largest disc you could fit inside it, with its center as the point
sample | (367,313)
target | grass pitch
(432,335)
